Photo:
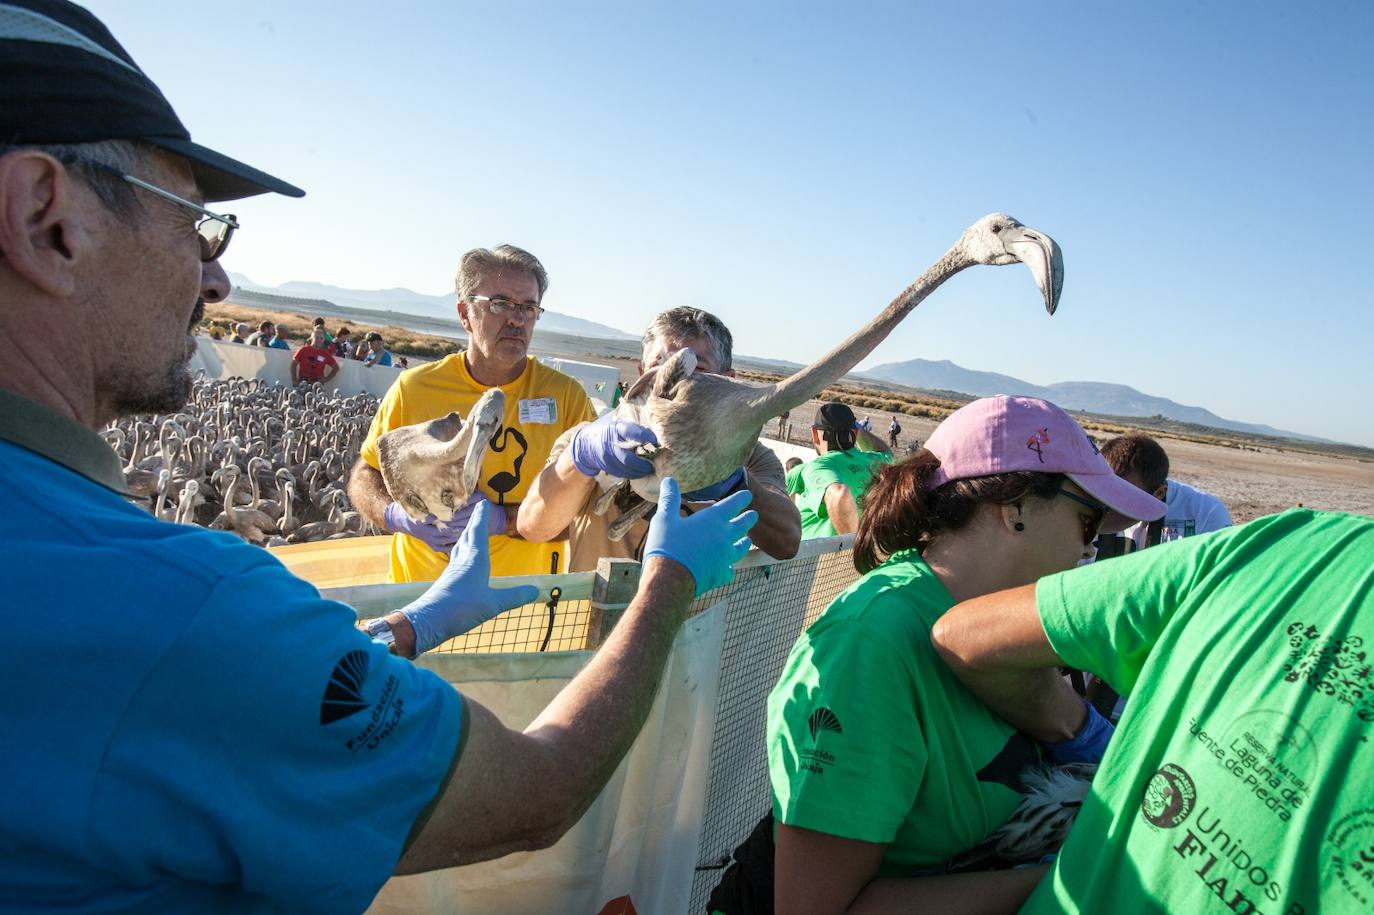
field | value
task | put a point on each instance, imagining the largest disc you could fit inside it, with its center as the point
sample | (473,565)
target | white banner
(639,838)
(220,359)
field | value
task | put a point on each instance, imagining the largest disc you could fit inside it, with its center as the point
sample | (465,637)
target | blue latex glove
(1088,744)
(708,543)
(715,490)
(440,536)
(607,446)
(462,599)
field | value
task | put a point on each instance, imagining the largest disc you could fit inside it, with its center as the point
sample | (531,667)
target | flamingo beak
(1041,254)
(483,423)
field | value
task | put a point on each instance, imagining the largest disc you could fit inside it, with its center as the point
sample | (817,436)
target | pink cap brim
(1128,504)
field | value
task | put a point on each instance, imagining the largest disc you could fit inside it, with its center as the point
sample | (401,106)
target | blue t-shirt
(279,343)
(186,726)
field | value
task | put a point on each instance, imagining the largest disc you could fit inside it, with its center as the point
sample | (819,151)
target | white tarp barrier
(220,359)
(638,839)
(785,450)
(226,360)
(597,380)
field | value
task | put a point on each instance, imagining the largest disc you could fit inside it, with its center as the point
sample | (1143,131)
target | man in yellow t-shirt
(499,292)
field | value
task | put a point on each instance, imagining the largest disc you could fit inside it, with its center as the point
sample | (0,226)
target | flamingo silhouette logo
(502,481)
(1037,441)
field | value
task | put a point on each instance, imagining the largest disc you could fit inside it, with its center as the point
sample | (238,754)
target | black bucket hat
(65,79)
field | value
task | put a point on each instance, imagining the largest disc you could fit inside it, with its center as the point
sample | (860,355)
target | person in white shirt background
(1140,460)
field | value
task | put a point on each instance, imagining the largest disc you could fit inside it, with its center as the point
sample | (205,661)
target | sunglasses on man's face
(1091,523)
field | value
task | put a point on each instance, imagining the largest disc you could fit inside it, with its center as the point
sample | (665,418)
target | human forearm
(778,532)
(367,492)
(553,500)
(590,725)
(996,645)
(816,873)
(842,509)
(515,790)
(1039,703)
(983,893)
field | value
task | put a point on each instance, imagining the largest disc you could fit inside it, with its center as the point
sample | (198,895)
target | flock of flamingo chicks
(267,462)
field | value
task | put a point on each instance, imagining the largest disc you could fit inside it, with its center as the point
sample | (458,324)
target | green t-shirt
(794,479)
(853,468)
(870,737)
(1241,777)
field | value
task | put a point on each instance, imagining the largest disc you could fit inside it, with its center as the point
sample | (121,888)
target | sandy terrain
(1251,482)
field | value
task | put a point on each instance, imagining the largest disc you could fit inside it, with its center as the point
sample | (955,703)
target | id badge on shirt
(538,411)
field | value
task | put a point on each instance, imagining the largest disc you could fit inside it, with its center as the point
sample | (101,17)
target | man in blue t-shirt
(376,352)
(188,727)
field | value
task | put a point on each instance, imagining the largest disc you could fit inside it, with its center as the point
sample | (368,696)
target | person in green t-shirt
(830,490)
(1242,777)
(883,766)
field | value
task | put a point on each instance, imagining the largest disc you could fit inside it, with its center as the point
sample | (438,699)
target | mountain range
(407,301)
(1090,396)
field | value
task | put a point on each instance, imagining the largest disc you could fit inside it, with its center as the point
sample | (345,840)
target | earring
(1018,526)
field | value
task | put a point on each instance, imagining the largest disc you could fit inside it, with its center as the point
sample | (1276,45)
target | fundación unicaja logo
(1169,797)
(822,719)
(343,694)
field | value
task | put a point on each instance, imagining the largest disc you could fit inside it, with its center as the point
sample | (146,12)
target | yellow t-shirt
(540,405)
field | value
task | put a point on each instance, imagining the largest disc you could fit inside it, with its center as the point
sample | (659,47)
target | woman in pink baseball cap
(888,775)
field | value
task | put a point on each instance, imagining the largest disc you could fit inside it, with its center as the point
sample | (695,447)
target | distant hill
(1089,396)
(409,302)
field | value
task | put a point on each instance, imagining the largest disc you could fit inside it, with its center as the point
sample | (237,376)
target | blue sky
(791,167)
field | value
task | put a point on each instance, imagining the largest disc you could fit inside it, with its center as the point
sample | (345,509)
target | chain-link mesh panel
(769,606)
(533,627)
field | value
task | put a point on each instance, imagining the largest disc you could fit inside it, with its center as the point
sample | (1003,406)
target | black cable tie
(552,604)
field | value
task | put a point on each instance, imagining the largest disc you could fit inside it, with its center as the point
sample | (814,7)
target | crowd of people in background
(322,350)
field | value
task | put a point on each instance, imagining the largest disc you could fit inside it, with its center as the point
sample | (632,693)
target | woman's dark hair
(899,513)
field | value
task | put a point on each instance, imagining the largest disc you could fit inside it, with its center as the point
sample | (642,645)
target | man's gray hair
(687,323)
(480,262)
(121,155)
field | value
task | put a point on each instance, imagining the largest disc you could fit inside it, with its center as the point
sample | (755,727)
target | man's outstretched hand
(463,599)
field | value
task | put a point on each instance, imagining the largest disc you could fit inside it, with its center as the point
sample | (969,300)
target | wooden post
(617,580)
